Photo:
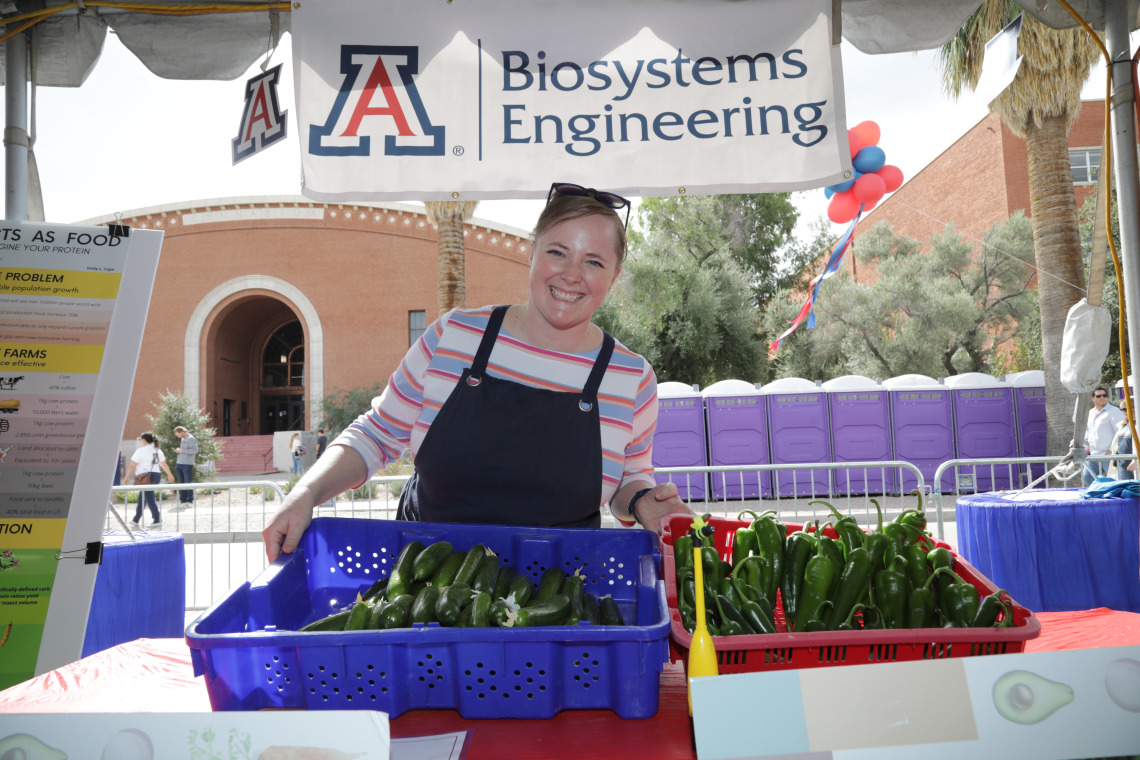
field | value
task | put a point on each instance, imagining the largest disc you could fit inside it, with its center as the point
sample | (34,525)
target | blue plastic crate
(252,657)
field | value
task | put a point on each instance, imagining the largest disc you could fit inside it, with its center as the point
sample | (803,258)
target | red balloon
(869,188)
(868,132)
(892,176)
(868,206)
(843,207)
(854,141)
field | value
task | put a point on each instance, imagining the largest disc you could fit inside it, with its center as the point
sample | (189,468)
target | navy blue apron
(500,452)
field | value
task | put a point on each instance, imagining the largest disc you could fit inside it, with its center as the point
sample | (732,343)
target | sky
(128,139)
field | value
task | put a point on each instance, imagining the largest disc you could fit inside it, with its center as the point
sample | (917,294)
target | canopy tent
(221,40)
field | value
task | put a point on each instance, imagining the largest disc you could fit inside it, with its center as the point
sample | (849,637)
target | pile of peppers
(842,579)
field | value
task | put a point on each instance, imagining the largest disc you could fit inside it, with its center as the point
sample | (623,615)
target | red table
(155,675)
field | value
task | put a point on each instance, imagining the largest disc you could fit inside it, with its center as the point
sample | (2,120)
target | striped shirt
(401,415)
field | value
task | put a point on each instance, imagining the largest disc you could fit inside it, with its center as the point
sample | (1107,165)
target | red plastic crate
(786,651)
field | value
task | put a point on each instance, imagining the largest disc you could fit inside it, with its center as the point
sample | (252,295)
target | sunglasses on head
(613,200)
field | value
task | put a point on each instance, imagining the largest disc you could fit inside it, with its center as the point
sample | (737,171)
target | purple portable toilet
(1118,389)
(922,428)
(1029,416)
(798,433)
(983,429)
(860,432)
(738,434)
(679,440)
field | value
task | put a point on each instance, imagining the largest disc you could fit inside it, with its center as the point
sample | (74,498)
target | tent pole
(16,128)
(1125,166)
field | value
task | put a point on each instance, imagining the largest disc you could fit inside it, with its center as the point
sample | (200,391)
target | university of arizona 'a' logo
(378,95)
(262,122)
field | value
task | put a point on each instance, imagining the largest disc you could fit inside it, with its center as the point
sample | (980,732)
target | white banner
(485,99)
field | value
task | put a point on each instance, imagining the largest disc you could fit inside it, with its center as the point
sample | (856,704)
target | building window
(417,326)
(283,360)
(1085,165)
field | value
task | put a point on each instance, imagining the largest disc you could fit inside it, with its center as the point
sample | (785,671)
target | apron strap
(590,391)
(479,365)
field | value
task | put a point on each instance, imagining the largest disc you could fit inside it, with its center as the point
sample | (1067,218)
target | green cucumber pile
(890,578)
(468,589)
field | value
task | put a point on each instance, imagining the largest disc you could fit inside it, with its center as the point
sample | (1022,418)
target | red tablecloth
(155,675)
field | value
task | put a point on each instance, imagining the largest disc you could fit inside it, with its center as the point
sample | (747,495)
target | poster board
(73,305)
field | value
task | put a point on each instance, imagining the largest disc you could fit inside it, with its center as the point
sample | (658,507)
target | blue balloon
(829,190)
(842,187)
(870,159)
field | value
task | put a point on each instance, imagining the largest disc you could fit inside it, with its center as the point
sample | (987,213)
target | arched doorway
(282,385)
(234,343)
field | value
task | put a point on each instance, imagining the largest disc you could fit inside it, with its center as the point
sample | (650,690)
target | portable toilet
(922,428)
(797,433)
(679,440)
(1030,419)
(738,434)
(860,432)
(1118,389)
(983,429)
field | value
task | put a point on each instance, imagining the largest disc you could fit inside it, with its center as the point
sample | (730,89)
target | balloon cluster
(873,178)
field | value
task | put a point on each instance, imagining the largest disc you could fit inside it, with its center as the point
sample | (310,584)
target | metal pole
(1125,166)
(16,129)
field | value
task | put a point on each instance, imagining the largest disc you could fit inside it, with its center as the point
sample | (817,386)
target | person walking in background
(298,452)
(1122,444)
(187,452)
(1099,432)
(322,442)
(149,461)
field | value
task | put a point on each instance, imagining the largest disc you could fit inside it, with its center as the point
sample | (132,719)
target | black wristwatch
(633,504)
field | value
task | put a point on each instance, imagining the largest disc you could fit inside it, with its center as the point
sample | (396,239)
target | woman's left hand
(661,501)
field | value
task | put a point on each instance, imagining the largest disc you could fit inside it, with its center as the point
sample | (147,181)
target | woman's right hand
(283,534)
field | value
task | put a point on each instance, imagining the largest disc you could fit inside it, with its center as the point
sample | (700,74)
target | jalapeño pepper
(959,602)
(921,610)
(938,558)
(732,622)
(876,542)
(849,624)
(754,614)
(683,552)
(743,544)
(818,574)
(917,571)
(872,618)
(771,538)
(845,525)
(853,586)
(835,552)
(797,553)
(815,622)
(988,610)
(891,594)
(747,579)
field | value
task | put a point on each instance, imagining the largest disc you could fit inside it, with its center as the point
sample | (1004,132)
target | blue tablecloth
(1053,550)
(140,591)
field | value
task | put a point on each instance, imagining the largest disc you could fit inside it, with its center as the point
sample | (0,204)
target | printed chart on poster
(59,289)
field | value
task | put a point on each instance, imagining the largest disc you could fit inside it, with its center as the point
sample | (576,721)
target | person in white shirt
(1122,444)
(1099,432)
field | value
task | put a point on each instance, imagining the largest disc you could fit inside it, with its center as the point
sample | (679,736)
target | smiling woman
(525,414)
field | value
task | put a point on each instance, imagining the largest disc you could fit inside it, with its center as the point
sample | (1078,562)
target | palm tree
(1040,106)
(448,218)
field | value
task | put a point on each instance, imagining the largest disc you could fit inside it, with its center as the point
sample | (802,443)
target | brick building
(263,305)
(979,181)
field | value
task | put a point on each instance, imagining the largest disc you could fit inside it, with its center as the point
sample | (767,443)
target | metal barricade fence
(967,476)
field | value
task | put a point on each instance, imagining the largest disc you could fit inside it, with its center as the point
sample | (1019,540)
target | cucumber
(376,589)
(394,614)
(478,614)
(445,575)
(374,621)
(357,617)
(522,589)
(333,622)
(554,611)
(611,615)
(573,588)
(487,575)
(500,612)
(430,559)
(590,609)
(503,582)
(423,608)
(549,584)
(471,564)
(400,579)
(451,602)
